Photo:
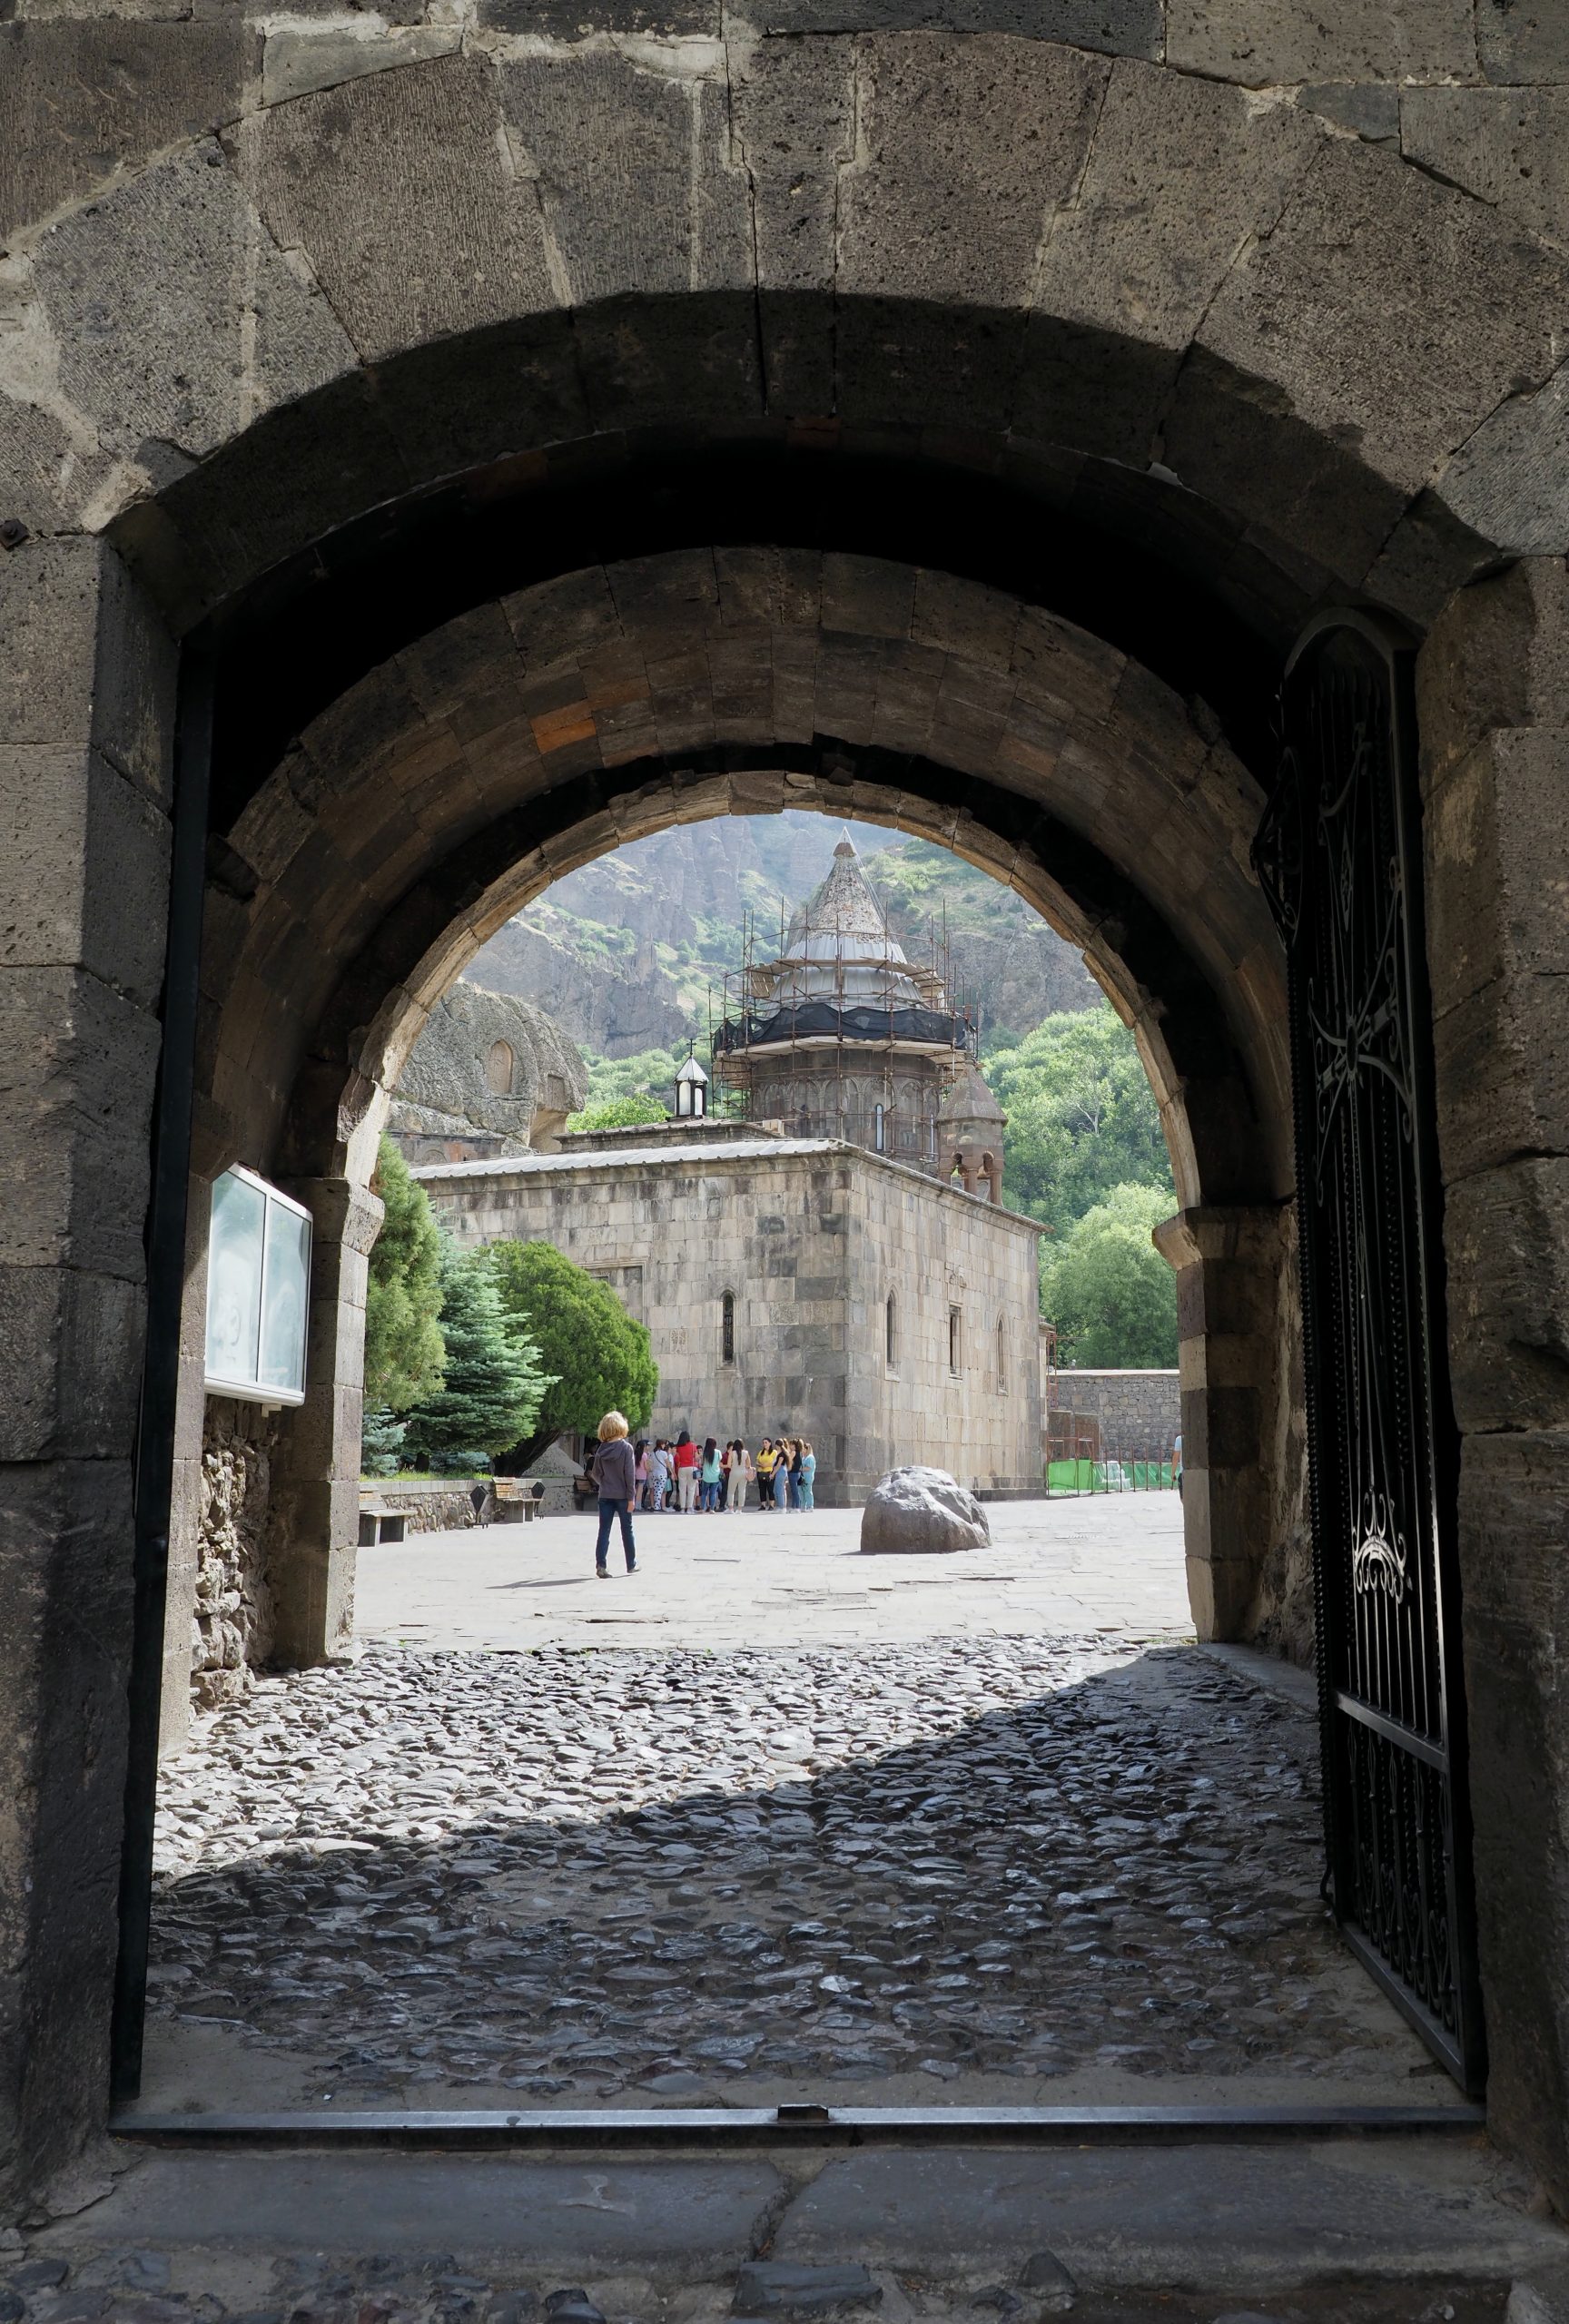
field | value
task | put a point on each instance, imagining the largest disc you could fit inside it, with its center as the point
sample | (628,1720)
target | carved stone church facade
(795,1286)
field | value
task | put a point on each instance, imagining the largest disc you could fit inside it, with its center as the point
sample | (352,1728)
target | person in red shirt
(685,1474)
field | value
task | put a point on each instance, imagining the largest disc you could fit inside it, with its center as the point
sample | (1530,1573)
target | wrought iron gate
(1338,853)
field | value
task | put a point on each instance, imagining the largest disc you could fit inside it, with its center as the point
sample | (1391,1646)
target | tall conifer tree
(494,1380)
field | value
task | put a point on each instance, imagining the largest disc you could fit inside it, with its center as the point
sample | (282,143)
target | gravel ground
(976,1869)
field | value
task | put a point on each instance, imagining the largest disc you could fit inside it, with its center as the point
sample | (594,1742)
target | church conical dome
(842,1036)
(842,919)
(972,1098)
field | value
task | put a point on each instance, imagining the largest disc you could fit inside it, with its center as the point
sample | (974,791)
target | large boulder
(922,1509)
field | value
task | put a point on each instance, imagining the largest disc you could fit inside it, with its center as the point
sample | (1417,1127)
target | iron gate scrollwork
(1338,855)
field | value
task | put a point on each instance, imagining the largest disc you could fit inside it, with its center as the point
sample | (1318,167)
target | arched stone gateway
(548,439)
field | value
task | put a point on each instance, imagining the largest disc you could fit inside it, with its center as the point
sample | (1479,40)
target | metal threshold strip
(628,2129)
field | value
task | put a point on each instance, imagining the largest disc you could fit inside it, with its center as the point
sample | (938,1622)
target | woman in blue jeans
(616,1479)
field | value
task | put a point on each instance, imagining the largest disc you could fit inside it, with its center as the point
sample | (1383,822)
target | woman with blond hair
(616,1480)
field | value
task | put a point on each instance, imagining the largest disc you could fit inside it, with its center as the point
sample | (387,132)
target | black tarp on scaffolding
(807,1019)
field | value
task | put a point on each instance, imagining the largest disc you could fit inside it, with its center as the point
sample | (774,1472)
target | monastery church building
(839,1264)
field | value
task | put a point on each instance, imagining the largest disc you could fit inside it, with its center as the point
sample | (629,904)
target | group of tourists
(686,1476)
(710,1477)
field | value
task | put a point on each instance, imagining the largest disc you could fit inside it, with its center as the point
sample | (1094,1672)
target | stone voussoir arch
(1029,243)
(527,736)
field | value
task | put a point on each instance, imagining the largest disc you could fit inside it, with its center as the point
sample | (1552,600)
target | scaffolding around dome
(838,1034)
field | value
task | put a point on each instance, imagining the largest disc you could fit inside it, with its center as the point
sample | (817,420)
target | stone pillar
(1494,707)
(86,714)
(313,1527)
(185,1504)
(1227,1264)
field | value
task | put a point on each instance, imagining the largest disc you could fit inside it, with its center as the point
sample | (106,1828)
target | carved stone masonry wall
(810,1240)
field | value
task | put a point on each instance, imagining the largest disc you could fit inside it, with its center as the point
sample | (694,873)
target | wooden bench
(516,1500)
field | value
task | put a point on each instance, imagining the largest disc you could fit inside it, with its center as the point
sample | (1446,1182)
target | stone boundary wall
(441,1508)
(232,1622)
(1136,1410)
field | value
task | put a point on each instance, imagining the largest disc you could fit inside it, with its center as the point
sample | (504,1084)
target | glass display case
(258,1292)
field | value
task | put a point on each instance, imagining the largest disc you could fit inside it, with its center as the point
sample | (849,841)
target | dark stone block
(567,19)
(299,474)
(84,98)
(1113,28)
(1369,110)
(658,363)
(1523,41)
(777,2288)
(902,359)
(488,396)
(1236,441)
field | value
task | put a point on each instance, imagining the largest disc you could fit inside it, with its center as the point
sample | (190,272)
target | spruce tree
(493,1382)
(403,1350)
(380,1442)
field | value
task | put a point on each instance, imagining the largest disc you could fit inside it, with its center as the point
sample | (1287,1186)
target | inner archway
(449,786)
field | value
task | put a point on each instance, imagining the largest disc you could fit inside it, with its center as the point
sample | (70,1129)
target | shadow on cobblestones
(617,1876)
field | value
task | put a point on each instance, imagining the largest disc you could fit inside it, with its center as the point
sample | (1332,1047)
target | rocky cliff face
(623,953)
(488,1067)
(614,1006)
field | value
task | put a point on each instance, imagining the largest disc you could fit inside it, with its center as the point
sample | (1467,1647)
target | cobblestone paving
(960,1867)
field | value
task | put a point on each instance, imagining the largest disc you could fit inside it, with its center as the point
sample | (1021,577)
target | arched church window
(727,1328)
(891,1332)
(879,1128)
(1001,1357)
(498,1066)
(955,1340)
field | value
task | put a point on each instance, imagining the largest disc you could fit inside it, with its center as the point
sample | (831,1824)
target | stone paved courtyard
(998,1869)
(1108,1564)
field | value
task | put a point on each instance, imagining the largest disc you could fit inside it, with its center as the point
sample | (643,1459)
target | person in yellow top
(764,1466)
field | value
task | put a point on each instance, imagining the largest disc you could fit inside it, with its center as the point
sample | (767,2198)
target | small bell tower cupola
(691,1090)
(970,1126)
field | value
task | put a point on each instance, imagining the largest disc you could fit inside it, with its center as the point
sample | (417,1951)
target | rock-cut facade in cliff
(490,1075)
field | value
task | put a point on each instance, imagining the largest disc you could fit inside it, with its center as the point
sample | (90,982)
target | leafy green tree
(1107,1288)
(494,1381)
(1082,1116)
(403,1346)
(650,1073)
(599,1356)
(619,1113)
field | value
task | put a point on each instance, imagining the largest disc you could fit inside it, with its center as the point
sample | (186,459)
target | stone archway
(991,264)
